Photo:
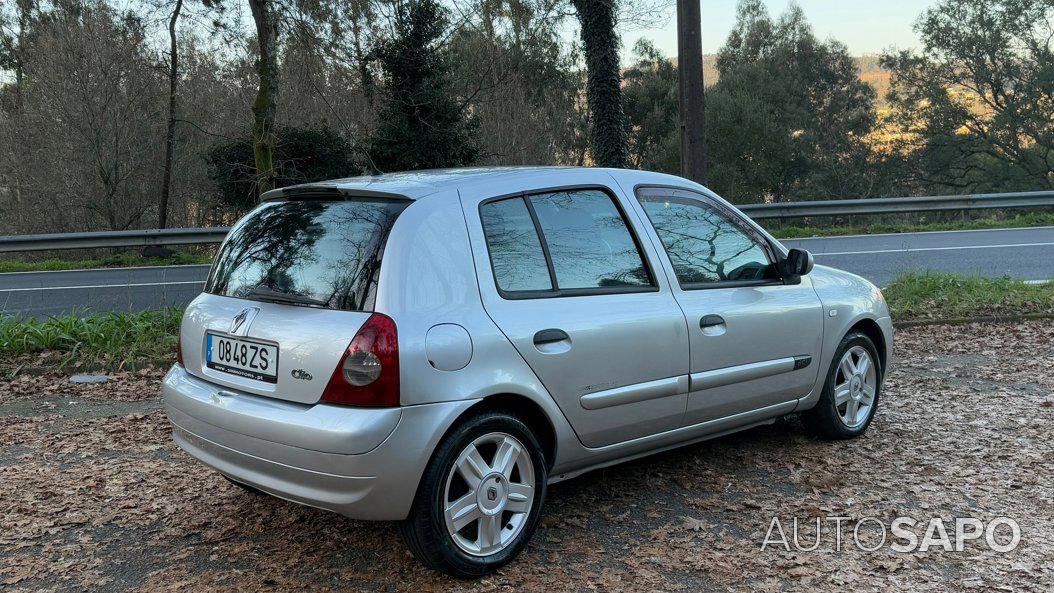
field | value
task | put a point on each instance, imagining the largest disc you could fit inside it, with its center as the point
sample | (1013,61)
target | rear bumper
(359,462)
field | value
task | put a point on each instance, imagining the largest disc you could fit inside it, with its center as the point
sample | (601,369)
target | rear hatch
(292,284)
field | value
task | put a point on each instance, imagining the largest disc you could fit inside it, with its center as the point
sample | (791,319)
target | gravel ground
(94,495)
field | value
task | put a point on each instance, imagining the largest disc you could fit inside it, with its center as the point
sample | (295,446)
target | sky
(865,26)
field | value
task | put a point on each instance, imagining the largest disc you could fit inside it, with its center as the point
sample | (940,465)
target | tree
(170,129)
(301,156)
(788,115)
(600,44)
(978,98)
(266,20)
(520,82)
(422,126)
(651,111)
(82,151)
(12,45)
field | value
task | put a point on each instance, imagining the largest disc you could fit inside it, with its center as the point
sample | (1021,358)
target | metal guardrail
(1033,199)
(104,239)
(862,207)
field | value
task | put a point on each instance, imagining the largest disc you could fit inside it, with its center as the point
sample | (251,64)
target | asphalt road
(1020,253)
(111,289)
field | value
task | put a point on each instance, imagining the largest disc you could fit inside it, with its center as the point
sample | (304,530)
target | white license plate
(242,357)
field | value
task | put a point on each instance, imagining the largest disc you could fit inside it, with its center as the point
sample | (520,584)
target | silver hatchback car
(437,347)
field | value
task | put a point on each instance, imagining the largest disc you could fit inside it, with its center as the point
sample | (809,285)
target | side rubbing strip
(801,361)
(637,392)
(743,372)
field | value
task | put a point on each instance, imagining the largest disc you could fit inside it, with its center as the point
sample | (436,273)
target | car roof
(418,184)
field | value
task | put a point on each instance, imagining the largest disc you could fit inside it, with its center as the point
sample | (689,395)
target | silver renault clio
(437,347)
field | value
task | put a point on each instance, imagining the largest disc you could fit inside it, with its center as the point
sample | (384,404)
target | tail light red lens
(368,373)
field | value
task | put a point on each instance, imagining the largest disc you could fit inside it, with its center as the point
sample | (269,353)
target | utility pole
(694,160)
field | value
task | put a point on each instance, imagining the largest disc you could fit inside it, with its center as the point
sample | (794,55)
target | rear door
(291,285)
(564,276)
(755,341)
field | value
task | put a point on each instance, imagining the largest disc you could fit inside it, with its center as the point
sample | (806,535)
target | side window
(706,246)
(565,242)
(589,243)
(515,251)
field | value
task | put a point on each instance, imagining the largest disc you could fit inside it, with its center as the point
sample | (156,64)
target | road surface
(1020,253)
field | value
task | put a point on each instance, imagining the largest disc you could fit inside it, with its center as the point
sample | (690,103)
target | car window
(706,246)
(589,243)
(515,251)
(323,251)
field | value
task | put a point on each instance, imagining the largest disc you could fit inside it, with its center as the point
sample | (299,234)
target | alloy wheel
(489,494)
(855,386)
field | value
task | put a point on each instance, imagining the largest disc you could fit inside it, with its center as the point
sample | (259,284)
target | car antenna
(371,166)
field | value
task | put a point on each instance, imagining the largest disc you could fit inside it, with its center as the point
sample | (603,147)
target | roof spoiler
(325,192)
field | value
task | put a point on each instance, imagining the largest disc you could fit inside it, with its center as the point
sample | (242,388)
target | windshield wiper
(266,293)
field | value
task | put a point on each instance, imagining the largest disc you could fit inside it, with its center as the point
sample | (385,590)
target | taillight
(368,373)
(179,347)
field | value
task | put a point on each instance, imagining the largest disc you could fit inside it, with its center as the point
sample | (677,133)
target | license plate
(242,357)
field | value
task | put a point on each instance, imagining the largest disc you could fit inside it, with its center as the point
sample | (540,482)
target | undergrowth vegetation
(120,260)
(941,295)
(110,340)
(1031,219)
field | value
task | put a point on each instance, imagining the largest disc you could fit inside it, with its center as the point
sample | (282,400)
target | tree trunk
(609,137)
(264,105)
(25,13)
(170,131)
(694,159)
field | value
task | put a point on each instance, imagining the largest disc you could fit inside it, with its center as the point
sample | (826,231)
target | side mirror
(798,263)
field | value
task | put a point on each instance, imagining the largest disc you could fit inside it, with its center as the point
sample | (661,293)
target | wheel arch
(870,328)
(523,407)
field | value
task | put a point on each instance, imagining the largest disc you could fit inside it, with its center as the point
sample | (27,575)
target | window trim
(556,291)
(642,192)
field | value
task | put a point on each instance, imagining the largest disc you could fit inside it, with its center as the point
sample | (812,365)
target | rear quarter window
(328,252)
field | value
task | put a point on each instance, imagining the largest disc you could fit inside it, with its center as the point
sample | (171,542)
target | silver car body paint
(638,376)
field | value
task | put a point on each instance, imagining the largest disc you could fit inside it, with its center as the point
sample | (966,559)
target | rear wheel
(850,393)
(480,498)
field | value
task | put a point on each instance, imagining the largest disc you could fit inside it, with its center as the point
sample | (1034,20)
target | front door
(754,340)
(566,279)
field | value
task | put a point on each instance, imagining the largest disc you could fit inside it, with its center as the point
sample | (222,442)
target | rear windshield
(317,253)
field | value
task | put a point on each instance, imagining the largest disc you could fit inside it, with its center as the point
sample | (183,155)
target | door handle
(711,321)
(548,336)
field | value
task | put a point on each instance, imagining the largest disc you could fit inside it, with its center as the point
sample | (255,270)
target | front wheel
(480,498)
(850,393)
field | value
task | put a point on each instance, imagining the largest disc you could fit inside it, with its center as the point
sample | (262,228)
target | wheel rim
(855,386)
(489,494)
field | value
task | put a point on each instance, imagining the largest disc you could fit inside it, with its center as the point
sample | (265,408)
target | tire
(499,504)
(833,417)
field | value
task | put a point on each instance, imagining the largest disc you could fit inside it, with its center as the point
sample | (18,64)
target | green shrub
(111,339)
(941,295)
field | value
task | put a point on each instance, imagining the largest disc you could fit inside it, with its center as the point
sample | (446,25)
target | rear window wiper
(266,293)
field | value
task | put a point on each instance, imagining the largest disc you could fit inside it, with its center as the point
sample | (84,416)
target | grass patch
(121,260)
(110,340)
(939,295)
(1031,219)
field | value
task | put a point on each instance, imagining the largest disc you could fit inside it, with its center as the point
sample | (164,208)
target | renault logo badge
(243,320)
